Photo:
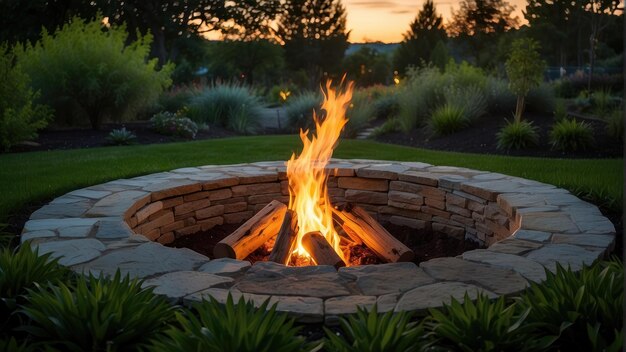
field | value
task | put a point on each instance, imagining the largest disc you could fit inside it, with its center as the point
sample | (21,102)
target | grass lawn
(34,177)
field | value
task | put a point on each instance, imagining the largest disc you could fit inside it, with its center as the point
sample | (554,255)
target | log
(286,239)
(345,231)
(375,237)
(320,250)
(253,233)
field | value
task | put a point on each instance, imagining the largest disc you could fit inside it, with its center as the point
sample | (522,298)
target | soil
(425,244)
(480,138)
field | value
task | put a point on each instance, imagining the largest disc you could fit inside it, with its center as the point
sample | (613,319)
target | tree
(249,60)
(367,67)
(479,23)
(600,13)
(425,32)
(525,70)
(314,35)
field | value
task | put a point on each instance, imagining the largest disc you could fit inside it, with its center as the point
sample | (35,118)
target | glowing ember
(308,194)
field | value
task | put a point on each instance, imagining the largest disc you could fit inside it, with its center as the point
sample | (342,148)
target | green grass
(29,178)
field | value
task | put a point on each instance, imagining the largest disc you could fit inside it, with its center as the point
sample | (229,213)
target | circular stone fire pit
(525,225)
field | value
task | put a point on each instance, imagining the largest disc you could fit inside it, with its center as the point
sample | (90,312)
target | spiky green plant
(483,325)
(97,315)
(121,136)
(376,332)
(12,345)
(569,134)
(517,135)
(232,327)
(582,310)
(448,119)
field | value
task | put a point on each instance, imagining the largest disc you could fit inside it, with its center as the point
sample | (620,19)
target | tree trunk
(519,108)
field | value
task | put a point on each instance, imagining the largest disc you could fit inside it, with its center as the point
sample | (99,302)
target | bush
(470,99)
(541,99)
(177,99)
(448,119)
(569,134)
(369,332)
(89,74)
(560,110)
(464,75)
(615,124)
(121,136)
(602,102)
(20,118)
(280,94)
(98,314)
(300,109)
(483,325)
(517,135)
(359,113)
(232,106)
(391,125)
(232,327)
(386,106)
(500,100)
(170,124)
(581,310)
(420,96)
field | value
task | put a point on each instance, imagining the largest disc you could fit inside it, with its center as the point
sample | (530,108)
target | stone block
(226,181)
(412,223)
(435,212)
(419,177)
(368,197)
(195,196)
(172,202)
(209,212)
(406,197)
(190,207)
(458,210)
(235,207)
(143,213)
(220,194)
(435,203)
(255,189)
(364,184)
(401,205)
(210,223)
(163,220)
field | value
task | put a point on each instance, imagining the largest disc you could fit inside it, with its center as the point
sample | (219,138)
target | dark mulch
(481,138)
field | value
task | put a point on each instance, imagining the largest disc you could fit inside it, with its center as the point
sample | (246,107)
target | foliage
(524,67)
(390,126)
(372,331)
(359,113)
(232,327)
(483,325)
(448,119)
(386,106)
(615,124)
(315,35)
(251,60)
(560,110)
(229,105)
(177,98)
(517,135)
(97,314)
(367,67)
(12,345)
(171,124)
(470,99)
(300,110)
(86,73)
(121,136)
(425,33)
(569,134)
(500,100)
(281,93)
(20,117)
(419,96)
(602,102)
(541,99)
(582,310)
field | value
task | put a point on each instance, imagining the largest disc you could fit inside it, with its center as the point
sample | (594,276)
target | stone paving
(525,227)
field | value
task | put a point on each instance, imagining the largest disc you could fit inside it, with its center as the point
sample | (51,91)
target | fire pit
(524,225)
(314,208)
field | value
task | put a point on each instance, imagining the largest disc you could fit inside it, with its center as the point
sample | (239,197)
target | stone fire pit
(525,226)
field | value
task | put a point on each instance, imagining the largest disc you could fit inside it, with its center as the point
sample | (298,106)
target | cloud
(401,12)
(374,4)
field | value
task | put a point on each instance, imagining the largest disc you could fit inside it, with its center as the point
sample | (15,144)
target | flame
(308,193)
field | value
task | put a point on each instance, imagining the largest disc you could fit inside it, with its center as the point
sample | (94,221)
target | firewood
(375,237)
(253,233)
(320,250)
(345,231)
(286,238)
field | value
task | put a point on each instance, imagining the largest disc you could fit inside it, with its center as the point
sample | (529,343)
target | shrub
(448,119)
(98,314)
(420,96)
(177,98)
(560,110)
(121,136)
(517,135)
(300,109)
(470,99)
(20,118)
(391,125)
(500,100)
(388,332)
(232,327)
(359,113)
(281,94)
(171,124)
(602,102)
(483,325)
(524,67)
(464,75)
(581,310)
(232,106)
(541,99)
(22,269)
(569,134)
(386,106)
(12,345)
(87,73)
(615,124)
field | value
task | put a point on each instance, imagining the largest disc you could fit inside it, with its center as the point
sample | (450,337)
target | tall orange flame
(308,193)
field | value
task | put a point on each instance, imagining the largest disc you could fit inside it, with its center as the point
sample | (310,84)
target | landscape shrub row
(46,306)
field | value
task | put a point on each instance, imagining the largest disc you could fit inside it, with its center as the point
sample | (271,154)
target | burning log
(356,221)
(320,250)
(286,238)
(253,233)
(345,232)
